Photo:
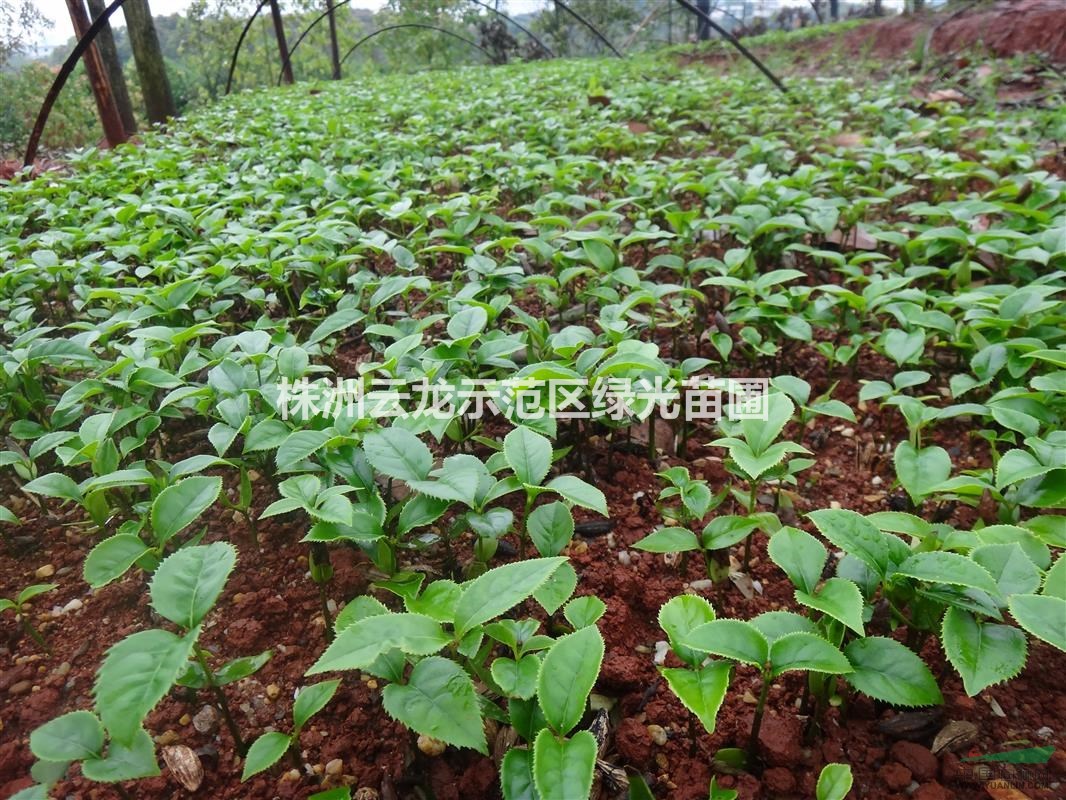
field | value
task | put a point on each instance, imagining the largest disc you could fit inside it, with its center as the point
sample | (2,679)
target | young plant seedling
(22,616)
(270,747)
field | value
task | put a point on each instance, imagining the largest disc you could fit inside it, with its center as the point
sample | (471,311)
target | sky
(61,30)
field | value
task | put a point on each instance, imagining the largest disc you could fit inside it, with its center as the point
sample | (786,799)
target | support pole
(110,119)
(334,49)
(736,43)
(105,42)
(283,48)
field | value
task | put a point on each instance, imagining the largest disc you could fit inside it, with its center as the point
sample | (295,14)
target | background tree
(18,18)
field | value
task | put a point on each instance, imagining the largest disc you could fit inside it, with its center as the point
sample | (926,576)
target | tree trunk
(152,71)
(334,50)
(110,119)
(105,42)
(878,8)
(283,48)
(703,30)
(834,10)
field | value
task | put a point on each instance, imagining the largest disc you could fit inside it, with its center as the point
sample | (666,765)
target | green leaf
(806,652)
(731,638)
(111,558)
(1009,566)
(983,653)
(563,768)
(264,753)
(725,531)
(840,599)
(438,700)
(468,322)
(438,600)
(554,592)
(669,540)
(135,675)
(124,762)
(179,505)
(359,644)
(1043,616)
(55,484)
(834,782)
(240,668)
(950,568)
(584,611)
(516,678)
(72,737)
(800,555)
(567,675)
(311,700)
(335,322)
(702,690)
(854,534)
(576,491)
(681,615)
(399,454)
(886,670)
(500,589)
(921,471)
(516,775)
(775,624)
(1055,579)
(186,585)
(298,446)
(529,454)
(550,527)
(760,433)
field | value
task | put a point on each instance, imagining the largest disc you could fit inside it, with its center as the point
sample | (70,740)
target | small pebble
(430,746)
(702,585)
(834,504)
(661,649)
(22,687)
(62,670)
(624,558)
(331,604)
(876,480)
(273,691)
(334,767)
(73,605)
(184,720)
(166,737)
(657,734)
(47,571)
(291,776)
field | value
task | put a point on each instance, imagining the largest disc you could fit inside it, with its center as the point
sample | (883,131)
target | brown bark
(283,48)
(105,42)
(110,119)
(151,69)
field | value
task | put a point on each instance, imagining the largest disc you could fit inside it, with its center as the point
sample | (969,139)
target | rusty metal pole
(110,119)
(283,48)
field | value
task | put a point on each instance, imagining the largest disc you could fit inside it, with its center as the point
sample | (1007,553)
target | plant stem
(220,700)
(752,499)
(326,616)
(756,722)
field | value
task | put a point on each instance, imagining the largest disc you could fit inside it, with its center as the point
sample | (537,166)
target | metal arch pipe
(736,43)
(288,57)
(61,79)
(588,25)
(240,41)
(325,14)
(422,25)
(519,26)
